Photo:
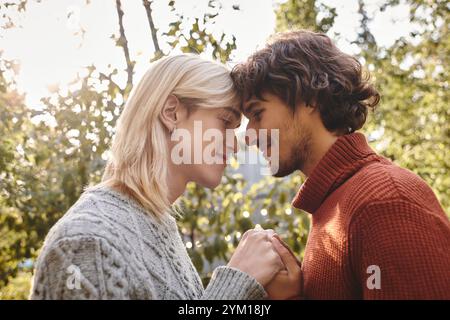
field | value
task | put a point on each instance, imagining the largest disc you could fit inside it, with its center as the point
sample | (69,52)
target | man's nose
(231,144)
(251,137)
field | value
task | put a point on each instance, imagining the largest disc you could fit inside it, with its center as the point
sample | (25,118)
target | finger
(270,233)
(246,234)
(282,273)
(258,228)
(260,232)
(287,247)
(286,256)
(279,262)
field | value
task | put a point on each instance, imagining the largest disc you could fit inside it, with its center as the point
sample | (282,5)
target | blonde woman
(120,240)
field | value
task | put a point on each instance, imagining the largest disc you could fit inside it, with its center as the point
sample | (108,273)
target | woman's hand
(256,256)
(287,283)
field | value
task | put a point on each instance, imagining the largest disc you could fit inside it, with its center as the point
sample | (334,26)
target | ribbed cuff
(232,284)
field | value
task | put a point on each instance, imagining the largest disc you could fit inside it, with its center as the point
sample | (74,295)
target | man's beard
(299,154)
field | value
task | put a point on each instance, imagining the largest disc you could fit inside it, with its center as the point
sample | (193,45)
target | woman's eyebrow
(236,113)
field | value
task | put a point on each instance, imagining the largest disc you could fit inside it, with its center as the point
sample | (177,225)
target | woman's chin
(211,181)
(210,184)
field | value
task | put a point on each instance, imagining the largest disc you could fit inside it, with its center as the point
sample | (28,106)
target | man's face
(294,131)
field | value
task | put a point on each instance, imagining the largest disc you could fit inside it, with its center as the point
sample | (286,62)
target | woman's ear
(169,113)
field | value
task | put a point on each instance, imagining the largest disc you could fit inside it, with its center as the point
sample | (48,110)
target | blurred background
(67,67)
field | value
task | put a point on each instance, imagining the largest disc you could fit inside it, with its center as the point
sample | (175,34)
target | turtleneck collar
(345,157)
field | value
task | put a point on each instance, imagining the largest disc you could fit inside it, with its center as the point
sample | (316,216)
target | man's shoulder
(385,182)
(385,194)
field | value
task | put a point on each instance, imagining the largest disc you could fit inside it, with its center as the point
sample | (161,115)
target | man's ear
(304,109)
(311,108)
(169,113)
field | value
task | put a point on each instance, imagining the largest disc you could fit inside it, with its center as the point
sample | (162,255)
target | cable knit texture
(368,213)
(107,247)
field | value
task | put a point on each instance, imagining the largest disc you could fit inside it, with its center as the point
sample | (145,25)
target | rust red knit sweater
(368,213)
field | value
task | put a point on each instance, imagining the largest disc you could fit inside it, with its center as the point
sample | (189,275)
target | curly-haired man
(378,231)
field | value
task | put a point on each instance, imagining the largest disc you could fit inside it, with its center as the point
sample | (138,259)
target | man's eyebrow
(250,105)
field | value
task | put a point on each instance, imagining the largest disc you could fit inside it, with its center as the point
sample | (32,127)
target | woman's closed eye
(230,120)
(227,120)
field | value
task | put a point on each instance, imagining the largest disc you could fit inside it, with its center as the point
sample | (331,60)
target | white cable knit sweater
(107,247)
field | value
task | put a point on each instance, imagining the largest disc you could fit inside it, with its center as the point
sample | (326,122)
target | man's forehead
(252,100)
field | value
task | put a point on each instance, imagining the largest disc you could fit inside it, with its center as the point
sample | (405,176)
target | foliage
(18,288)
(411,124)
(214,220)
(198,39)
(305,14)
(48,155)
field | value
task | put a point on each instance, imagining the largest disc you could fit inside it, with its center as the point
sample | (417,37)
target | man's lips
(265,151)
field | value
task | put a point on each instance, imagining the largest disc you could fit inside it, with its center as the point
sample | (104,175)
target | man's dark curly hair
(306,67)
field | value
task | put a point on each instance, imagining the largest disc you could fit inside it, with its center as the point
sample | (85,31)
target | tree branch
(147,5)
(123,42)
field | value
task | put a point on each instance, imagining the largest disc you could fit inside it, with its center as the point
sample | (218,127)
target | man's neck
(320,144)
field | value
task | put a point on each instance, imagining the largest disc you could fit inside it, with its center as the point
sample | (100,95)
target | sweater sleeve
(399,250)
(232,284)
(79,268)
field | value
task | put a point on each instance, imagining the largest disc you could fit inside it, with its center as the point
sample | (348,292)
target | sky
(51,49)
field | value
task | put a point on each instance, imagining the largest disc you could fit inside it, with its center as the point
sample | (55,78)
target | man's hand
(287,283)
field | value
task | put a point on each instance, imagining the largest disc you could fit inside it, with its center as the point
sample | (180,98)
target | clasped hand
(265,257)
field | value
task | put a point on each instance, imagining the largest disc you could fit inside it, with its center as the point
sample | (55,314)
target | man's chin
(282,172)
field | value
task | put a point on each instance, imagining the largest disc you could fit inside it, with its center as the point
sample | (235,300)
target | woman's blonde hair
(138,160)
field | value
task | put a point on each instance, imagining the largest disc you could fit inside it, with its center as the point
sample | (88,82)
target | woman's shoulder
(98,213)
(102,229)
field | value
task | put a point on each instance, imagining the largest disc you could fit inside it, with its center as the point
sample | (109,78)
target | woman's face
(202,143)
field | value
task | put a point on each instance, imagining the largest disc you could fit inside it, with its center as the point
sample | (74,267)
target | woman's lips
(222,156)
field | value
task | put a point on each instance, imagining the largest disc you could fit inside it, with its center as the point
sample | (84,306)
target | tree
(12,171)
(198,39)
(411,124)
(304,14)
(48,156)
